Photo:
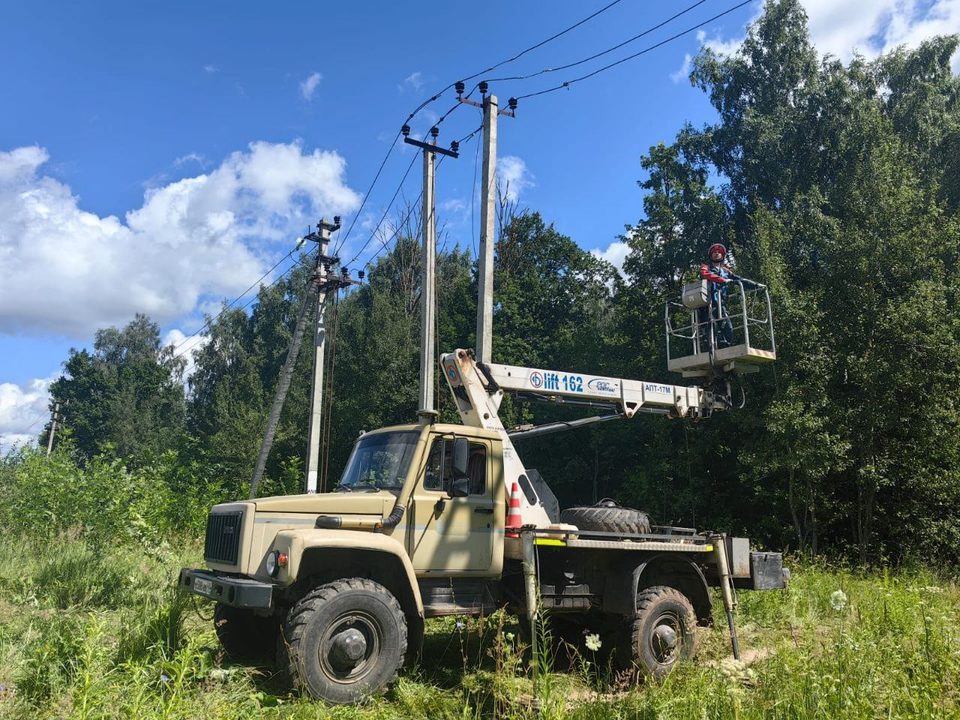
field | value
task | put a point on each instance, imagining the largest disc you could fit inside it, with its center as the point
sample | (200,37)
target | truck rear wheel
(662,633)
(607,516)
(244,635)
(345,640)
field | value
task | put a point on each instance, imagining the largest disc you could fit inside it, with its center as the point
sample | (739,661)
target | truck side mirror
(461,457)
(460,487)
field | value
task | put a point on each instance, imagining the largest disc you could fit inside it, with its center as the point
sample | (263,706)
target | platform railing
(747,313)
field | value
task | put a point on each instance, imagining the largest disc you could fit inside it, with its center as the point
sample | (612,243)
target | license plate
(204,587)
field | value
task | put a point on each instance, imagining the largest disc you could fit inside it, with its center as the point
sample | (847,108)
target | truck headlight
(275,561)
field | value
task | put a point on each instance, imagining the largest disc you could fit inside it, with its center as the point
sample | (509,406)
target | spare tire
(607,516)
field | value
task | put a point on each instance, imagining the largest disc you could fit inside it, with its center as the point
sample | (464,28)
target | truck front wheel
(662,633)
(345,640)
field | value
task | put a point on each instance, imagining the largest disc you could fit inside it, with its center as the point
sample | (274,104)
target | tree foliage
(125,396)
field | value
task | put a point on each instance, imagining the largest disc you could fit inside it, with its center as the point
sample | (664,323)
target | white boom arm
(478,390)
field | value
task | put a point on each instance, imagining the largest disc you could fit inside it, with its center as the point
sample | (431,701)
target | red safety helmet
(717,247)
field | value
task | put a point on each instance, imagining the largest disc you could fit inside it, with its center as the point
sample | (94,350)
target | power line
(343,237)
(436,96)
(212,320)
(473,202)
(387,210)
(31,425)
(541,43)
(568,83)
(366,195)
(384,243)
(602,52)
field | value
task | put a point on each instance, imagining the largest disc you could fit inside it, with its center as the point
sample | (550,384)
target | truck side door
(454,535)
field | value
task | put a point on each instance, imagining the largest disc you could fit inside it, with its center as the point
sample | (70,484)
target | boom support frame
(478,389)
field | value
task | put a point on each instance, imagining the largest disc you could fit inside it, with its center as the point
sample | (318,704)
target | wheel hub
(664,642)
(348,648)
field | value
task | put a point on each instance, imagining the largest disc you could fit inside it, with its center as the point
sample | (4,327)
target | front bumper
(227,589)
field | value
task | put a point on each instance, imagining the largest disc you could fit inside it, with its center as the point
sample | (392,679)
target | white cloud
(615,254)
(413,81)
(877,26)
(70,272)
(309,86)
(684,72)
(24,412)
(867,27)
(190,158)
(513,176)
(186,347)
(721,47)
(211,69)
(453,207)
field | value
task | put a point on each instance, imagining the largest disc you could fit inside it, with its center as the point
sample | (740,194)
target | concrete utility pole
(428,284)
(53,427)
(488,216)
(488,196)
(321,282)
(322,237)
(428,287)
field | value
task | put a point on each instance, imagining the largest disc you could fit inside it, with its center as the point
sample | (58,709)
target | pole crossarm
(430,147)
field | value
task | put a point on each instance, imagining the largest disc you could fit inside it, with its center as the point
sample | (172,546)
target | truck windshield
(379,462)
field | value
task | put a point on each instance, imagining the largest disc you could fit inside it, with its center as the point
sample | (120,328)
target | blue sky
(158,157)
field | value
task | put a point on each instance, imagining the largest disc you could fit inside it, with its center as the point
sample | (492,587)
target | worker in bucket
(718,273)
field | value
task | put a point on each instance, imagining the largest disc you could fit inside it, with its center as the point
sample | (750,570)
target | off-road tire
(662,613)
(607,516)
(320,639)
(244,635)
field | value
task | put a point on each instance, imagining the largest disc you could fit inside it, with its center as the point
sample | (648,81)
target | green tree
(834,184)
(127,395)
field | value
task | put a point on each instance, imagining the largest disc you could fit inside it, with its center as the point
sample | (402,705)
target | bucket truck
(340,584)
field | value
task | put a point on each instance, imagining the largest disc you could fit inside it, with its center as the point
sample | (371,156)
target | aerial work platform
(731,332)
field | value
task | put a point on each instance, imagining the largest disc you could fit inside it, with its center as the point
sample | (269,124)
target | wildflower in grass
(838,600)
(592,641)
(460,625)
(737,672)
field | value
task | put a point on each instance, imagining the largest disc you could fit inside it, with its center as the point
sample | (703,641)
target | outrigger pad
(766,569)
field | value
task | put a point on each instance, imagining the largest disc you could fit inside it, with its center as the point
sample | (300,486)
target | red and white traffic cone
(514,521)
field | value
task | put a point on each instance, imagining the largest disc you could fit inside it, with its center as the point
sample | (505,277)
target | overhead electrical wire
(387,210)
(566,84)
(212,320)
(31,425)
(473,202)
(436,96)
(602,52)
(344,236)
(540,44)
(384,243)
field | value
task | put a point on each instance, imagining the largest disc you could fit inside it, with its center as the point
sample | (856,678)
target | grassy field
(88,632)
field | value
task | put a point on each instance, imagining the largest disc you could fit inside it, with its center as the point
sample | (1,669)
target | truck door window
(439,469)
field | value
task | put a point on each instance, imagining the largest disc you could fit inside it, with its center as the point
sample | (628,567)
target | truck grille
(223,537)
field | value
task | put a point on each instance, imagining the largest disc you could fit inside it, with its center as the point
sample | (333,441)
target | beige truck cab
(403,526)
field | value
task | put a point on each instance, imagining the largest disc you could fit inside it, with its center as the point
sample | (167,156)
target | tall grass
(90,627)
(91,632)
